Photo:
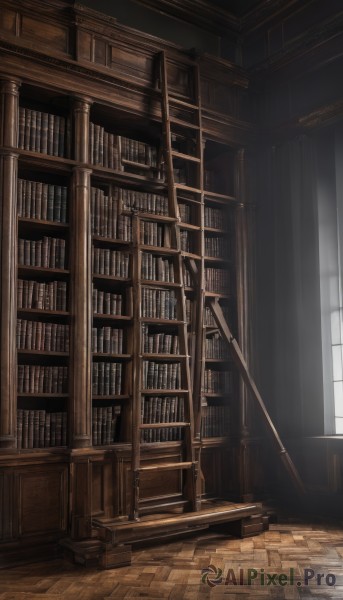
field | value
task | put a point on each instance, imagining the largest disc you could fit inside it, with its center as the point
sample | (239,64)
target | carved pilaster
(9,113)
(8,262)
(81,129)
(81,311)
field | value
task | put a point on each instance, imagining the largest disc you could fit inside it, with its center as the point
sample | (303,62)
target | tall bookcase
(105,329)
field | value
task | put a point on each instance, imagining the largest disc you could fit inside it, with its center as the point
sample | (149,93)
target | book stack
(48,253)
(41,429)
(144,202)
(107,378)
(217,382)
(214,421)
(158,304)
(216,347)
(138,152)
(215,218)
(157,268)
(35,335)
(186,241)
(164,376)
(217,280)
(42,296)
(105,218)
(37,200)
(152,234)
(166,409)
(39,379)
(159,343)
(217,247)
(185,212)
(110,262)
(107,303)
(104,425)
(44,132)
(103,147)
(107,340)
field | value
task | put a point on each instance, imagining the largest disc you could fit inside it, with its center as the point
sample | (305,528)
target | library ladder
(189,465)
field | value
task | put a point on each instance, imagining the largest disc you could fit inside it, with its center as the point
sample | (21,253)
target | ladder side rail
(250,383)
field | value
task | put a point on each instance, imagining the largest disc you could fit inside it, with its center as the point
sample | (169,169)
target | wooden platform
(114,537)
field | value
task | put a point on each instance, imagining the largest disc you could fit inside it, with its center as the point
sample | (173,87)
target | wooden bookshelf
(92,253)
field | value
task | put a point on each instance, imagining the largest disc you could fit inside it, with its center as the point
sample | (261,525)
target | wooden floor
(173,571)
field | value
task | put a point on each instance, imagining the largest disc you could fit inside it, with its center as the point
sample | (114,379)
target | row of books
(48,253)
(107,340)
(166,409)
(216,347)
(110,262)
(107,303)
(138,152)
(35,335)
(215,218)
(144,202)
(107,378)
(217,280)
(105,218)
(217,382)
(157,268)
(41,429)
(159,304)
(42,295)
(39,379)
(185,212)
(161,376)
(108,150)
(44,201)
(218,247)
(214,421)
(44,132)
(103,147)
(152,234)
(187,277)
(159,343)
(187,241)
(104,425)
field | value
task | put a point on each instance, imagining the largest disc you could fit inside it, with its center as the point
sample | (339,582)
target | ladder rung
(187,188)
(164,425)
(177,154)
(183,103)
(167,466)
(183,123)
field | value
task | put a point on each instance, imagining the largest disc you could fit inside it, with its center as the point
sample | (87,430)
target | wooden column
(242,321)
(81,285)
(8,261)
(81,311)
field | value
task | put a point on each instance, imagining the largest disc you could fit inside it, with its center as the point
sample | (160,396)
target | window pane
(338,392)
(337,363)
(339,426)
(335,327)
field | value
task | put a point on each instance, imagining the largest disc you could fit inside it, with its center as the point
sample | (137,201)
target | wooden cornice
(219,21)
(322,116)
(197,12)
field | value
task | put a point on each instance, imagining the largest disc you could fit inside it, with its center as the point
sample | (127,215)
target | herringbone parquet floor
(173,571)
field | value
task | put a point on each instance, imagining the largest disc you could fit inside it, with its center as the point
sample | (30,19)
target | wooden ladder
(189,463)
